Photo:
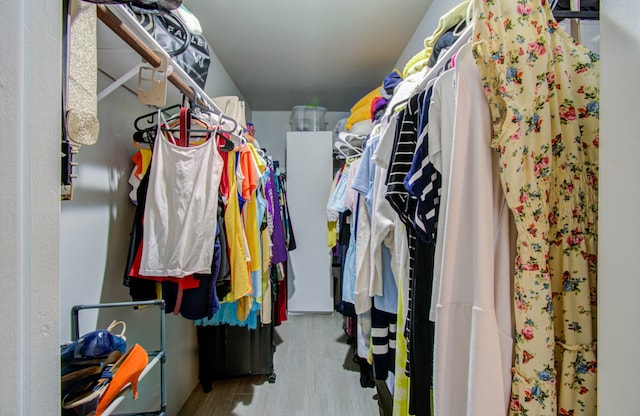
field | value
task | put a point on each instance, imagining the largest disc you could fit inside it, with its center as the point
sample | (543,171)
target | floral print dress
(543,90)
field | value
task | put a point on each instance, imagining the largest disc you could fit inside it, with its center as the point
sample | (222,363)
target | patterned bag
(189,50)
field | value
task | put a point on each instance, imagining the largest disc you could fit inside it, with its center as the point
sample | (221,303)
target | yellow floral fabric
(543,90)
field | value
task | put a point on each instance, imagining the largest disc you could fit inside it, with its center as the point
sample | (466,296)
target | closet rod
(569,14)
(131,39)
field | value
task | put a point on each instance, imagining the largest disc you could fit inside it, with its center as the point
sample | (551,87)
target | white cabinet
(309,174)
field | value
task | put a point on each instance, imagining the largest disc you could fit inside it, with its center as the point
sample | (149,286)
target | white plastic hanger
(444,59)
(346,149)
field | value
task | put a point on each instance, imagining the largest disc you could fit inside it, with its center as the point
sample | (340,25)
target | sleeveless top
(180,213)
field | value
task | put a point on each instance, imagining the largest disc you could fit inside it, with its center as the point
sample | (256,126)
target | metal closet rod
(583,14)
(131,39)
(575,11)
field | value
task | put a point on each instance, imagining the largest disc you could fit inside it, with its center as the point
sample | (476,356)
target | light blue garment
(228,314)
(349,268)
(335,199)
(256,283)
(388,302)
(363,181)
(261,206)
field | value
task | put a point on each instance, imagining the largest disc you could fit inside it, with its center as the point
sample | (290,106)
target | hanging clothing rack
(575,11)
(124,24)
(445,59)
(583,14)
(575,14)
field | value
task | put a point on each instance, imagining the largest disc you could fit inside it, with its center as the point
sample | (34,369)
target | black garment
(200,302)
(195,302)
(418,328)
(422,331)
(383,342)
(284,208)
(227,351)
(445,41)
(404,146)
(139,289)
(342,307)
(585,5)
(427,181)
(279,290)
(223,282)
(385,400)
(366,371)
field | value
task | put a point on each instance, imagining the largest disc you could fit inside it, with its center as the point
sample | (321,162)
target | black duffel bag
(189,50)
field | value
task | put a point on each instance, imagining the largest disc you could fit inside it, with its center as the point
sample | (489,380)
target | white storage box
(308,118)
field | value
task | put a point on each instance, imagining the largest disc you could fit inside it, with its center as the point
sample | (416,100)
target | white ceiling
(282,53)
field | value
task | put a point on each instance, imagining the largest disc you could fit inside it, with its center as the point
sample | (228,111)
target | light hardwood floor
(315,376)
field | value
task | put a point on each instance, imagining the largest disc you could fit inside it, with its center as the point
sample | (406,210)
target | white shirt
(472,355)
(441,123)
(181,208)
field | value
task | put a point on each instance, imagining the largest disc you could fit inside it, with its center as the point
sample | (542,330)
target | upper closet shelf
(123,23)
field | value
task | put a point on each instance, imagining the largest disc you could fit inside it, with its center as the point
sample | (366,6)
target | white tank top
(180,213)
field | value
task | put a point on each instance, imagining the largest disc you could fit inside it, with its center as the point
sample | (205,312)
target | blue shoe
(94,345)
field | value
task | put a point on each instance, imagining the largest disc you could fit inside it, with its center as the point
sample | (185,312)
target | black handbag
(189,50)
(144,6)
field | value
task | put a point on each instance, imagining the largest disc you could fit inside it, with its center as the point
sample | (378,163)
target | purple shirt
(273,206)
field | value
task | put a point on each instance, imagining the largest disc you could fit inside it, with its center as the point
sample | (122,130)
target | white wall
(619,244)
(30,62)
(272,128)
(219,82)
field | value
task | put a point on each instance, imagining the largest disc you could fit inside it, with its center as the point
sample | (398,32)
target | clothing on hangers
(547,138)
(419,61)
(176,125)
(472,318)
(179,230)
(463,220)
(445,42)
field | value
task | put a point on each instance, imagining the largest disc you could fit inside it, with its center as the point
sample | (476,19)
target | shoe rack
(155,357)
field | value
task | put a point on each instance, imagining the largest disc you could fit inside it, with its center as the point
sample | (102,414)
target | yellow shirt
(362,109)
(240,278)
(250,208)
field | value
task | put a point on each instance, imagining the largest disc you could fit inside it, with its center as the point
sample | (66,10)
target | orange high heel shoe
(125,371)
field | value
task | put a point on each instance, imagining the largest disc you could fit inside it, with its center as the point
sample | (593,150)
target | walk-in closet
(310,208)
